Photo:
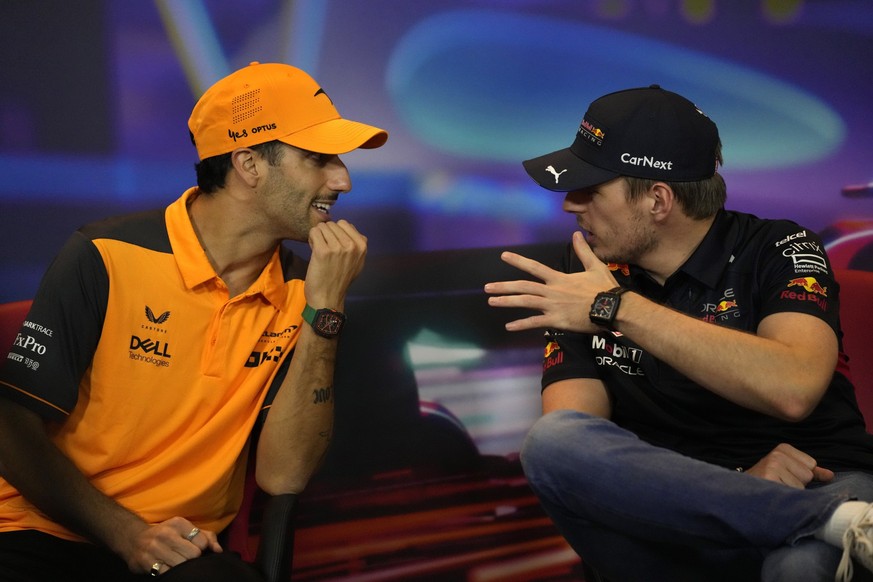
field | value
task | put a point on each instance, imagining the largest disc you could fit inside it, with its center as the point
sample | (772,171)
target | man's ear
(244,163)
(662,200)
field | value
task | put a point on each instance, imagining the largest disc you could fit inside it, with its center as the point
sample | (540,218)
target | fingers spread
(530,266)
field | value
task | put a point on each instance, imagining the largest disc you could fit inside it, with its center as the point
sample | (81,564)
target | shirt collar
(194,265)
(715,251)
(271,282)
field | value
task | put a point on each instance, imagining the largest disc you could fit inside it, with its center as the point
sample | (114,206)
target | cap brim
(337,136)
(564,171)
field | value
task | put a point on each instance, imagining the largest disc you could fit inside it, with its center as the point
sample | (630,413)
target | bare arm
(33,465)
(783,370)
(298,429)
(582,394)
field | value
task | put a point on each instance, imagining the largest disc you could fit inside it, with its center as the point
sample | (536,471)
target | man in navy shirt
(699,421)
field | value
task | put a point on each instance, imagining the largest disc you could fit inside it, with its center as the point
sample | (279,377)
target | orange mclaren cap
(270,101)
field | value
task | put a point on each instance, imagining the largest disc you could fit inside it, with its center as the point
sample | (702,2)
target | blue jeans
(636,512)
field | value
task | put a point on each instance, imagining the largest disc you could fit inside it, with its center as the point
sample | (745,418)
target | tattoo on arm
(322,395)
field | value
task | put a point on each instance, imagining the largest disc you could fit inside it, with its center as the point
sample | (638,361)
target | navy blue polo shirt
(745,269)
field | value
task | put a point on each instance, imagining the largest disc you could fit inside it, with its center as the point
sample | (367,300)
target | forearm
(299,426)
(50,481)
(781,371)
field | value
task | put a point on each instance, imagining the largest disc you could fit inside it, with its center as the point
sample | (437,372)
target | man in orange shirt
(158,342)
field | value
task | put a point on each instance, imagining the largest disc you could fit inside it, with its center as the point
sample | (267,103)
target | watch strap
(308,314)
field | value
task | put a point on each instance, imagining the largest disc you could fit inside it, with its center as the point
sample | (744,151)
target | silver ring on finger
(156,569)
(193,534)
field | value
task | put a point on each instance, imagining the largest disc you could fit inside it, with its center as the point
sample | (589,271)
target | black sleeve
(56,344)
(795,275)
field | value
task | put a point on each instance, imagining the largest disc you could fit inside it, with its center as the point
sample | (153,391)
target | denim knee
(542,445)
(556,450)
(809,560)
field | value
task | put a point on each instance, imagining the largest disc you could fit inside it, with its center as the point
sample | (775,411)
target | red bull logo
(812,291)
(625,270)
(810,284)
(551,348)
(552,356)
(592,134)
(724,306)
(593,129)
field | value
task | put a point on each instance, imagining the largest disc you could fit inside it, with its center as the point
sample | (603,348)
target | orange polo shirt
(150,376)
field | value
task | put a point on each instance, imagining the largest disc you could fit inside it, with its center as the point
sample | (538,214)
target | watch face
(329,323)
(603,306)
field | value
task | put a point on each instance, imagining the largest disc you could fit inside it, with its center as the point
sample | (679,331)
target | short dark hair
(212,172)
(699,199)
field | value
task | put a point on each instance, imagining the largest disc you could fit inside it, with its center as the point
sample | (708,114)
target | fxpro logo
(28,342)
(646,161)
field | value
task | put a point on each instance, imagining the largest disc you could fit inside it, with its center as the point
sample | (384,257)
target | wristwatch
(605,307)
(325,322)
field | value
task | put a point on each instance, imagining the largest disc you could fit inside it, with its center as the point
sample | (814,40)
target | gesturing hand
(788,465)
(563,299)
(338,253)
